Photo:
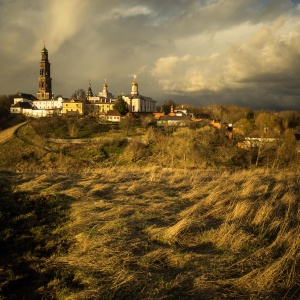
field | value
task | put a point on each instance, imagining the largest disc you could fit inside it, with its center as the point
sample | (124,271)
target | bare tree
(216,112)
(79,94)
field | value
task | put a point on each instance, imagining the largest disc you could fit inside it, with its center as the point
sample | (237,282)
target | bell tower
(134,87)
(45,81)
(104,90)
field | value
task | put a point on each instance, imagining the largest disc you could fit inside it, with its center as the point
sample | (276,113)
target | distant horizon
(184,103)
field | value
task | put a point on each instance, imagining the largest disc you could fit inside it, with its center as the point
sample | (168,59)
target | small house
(113,116)
(19,107)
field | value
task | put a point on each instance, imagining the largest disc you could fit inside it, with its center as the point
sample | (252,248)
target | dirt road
(8,133)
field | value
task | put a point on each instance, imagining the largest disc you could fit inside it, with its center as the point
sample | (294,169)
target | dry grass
(153,233)
(6,134)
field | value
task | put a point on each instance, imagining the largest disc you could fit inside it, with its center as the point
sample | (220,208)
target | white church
(45,104)
(137,102)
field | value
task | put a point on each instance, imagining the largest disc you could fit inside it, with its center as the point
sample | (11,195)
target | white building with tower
(137,102)
(103,96)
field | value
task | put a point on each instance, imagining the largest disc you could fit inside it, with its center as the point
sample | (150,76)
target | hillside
(145,213)
(150,233)
(73,145)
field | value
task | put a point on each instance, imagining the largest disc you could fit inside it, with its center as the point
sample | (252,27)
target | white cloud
(126,12)
(187,73)
(266,59)
(60,21)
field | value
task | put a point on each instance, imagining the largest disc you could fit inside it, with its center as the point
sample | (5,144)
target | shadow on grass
(30,232)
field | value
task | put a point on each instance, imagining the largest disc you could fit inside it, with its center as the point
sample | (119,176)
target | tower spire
(134,86)
(89,91)
(45,81)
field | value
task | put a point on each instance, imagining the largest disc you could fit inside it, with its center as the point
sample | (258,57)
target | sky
(200,52)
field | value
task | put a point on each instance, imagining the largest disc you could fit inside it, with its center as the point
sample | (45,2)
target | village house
(113,116)
(174,119)
(20,107)
(73,107)
(22,102)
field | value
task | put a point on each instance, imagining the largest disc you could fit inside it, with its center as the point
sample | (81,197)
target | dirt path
(9,132)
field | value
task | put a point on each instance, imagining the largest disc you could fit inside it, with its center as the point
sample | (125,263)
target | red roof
(113,112)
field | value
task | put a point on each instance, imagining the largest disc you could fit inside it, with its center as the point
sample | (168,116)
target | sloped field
(152,234)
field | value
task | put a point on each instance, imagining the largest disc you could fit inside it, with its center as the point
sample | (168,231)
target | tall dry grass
(155,233)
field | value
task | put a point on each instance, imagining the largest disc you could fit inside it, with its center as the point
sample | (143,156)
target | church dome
(44,50)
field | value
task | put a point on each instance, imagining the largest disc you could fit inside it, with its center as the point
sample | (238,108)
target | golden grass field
(150,233)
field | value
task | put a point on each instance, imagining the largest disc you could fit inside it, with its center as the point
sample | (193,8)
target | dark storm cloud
(246,52)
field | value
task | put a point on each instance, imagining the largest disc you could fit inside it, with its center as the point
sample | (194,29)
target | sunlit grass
(154,233)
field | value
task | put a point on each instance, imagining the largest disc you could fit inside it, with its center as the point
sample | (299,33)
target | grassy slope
(161,234)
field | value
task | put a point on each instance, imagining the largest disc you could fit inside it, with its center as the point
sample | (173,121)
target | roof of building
(22,105)
(157,115)
(25,96)
(139,96)
(113,112)
(174,118)
(73,100)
